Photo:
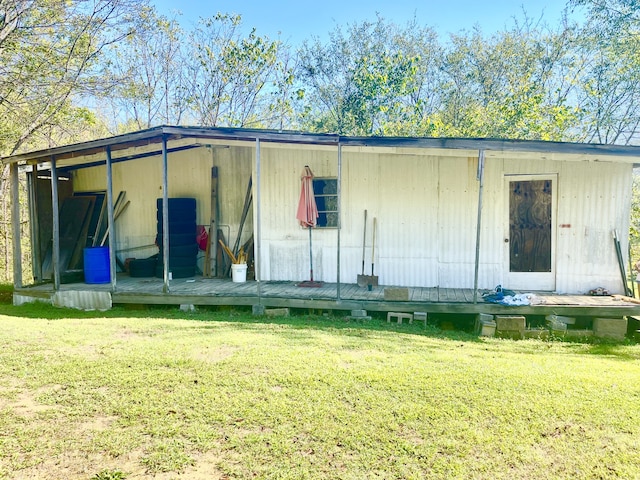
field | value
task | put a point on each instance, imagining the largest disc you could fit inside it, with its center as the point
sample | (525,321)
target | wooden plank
(55,254)
(467,295)
(212,245)
(434,294)
(287,294)
(15,226)
(245,210)
(81,243)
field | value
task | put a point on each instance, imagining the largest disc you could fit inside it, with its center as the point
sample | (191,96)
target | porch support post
(55,207)
(111,221)
(15,225)
(339,193)
(165,214)
(36,248)
(258,247)
(480,177)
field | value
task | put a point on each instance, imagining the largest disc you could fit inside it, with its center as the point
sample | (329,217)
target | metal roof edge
(251,134)
(290,136)
(493,144)
(228,133)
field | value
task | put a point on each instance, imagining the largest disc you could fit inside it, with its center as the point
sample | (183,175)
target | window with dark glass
(326,193)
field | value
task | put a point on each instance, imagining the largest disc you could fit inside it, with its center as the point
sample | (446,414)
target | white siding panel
(490,272)
(287,254)
(458,214)
(594,199)
(401,192)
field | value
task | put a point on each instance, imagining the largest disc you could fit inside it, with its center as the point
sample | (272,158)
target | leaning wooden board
(211,253)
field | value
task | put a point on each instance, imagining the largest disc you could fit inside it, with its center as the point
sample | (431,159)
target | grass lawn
(222,395)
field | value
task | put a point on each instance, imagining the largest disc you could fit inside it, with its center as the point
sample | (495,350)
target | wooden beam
(480,178)
(111,220)
(34,218)
(55,209)
(210,262)
(257,262)
(339,194)
(165,215)
(15,226)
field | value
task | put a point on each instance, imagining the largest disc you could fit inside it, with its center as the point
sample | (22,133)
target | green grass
(226,395)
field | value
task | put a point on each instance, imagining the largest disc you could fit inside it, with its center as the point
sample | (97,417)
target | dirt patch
(26,405)
(76,466)
(214,355)
(204,468)
(98,424)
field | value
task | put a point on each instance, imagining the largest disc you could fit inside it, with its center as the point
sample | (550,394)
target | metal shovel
(373,279)
(363,279)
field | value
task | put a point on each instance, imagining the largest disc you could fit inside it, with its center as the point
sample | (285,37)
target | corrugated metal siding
(458,212)
(285,252)
(594,199)
(189,175)
(425,205)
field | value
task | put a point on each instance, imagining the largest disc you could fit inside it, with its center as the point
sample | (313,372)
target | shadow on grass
(300,319)
(610,348)
(242,316)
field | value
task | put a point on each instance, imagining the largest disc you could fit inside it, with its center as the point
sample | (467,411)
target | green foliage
(147,71)
(610,83)
(227,73)
(50,58)
(368,80)
(109,475)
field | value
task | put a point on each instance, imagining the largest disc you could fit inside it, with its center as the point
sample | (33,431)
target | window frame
(324,215)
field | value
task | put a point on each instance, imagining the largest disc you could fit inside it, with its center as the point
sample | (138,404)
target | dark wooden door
(530,225)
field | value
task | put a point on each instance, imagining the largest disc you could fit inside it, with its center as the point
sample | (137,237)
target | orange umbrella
(307,215)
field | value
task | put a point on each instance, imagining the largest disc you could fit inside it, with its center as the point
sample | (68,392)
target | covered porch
(329,296)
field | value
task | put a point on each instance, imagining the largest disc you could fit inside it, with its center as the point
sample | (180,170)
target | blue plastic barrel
(96,265)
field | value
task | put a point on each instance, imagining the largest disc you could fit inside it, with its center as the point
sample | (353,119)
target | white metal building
(453,213)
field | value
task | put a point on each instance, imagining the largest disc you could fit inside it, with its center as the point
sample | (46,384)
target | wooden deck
(205,291)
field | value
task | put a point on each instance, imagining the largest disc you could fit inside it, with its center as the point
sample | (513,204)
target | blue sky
(296,21)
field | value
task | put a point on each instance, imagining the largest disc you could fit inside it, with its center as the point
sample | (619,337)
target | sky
(295,21)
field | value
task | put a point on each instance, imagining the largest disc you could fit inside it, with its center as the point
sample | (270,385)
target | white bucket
(239,272)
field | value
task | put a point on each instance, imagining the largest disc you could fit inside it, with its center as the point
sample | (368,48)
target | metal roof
(156,134)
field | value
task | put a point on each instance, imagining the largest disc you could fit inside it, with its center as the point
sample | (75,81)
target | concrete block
(187,308)
(277,312)
(487,328)
(400,294)
(482,317)
(560,318)
(536,333)
(614,328)
(358,313)
(257,310)
(578,334)
(512,323)
(24,299)
(399,316)
(557,327)
(420,317)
